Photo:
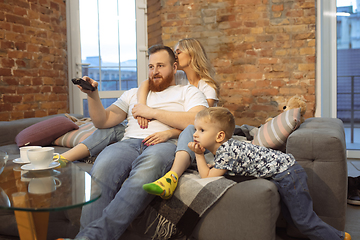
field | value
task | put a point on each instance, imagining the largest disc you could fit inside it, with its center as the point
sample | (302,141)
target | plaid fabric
(193,196)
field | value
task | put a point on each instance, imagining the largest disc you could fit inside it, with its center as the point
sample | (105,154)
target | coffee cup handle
(58,182)
(58,157)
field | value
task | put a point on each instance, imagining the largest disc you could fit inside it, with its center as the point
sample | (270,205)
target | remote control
(84,84)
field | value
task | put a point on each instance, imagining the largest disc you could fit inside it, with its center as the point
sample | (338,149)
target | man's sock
(163,187)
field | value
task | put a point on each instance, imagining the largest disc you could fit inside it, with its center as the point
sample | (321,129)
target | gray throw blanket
(179,215)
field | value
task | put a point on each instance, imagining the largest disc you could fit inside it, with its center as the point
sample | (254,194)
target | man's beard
(159,86)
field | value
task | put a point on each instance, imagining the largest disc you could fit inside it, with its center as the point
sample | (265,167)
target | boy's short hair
(159,47)
(221,116)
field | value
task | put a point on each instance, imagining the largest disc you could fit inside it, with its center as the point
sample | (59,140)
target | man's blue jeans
(297,205)
(121,201)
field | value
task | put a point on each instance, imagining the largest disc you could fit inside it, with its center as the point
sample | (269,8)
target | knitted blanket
(179,215)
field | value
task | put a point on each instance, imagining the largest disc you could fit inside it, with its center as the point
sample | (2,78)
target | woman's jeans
(121,201)
(297,205)
(101,138)
(185,137)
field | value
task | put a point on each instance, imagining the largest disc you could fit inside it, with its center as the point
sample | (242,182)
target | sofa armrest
(9,129)
(248,210)
(319,147)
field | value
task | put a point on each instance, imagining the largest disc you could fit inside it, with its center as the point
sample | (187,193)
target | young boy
(214,128)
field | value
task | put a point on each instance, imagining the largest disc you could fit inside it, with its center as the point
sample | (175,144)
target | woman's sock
(163,187)
(62,161)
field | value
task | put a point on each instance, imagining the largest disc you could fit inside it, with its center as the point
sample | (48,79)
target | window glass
(348,71)
(108,43)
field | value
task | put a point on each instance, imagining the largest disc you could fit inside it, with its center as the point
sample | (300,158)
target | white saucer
(20,161)
(30,167)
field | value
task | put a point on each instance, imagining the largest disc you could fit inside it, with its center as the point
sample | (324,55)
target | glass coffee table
(32,194)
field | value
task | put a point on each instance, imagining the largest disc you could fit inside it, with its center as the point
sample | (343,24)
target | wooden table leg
(31,225)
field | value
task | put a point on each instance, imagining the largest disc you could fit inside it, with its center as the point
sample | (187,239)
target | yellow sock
(164,186)
(62,161)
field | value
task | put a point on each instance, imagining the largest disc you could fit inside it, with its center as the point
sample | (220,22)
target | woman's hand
(143,122)
(196,148)
(156,138)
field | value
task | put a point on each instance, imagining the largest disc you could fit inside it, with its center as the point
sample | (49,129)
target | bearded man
(168,106)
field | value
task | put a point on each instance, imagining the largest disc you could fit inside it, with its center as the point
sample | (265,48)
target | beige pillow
(73,138)
(274,133)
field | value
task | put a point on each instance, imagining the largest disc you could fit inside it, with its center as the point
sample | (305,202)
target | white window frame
(326,63)
(326,73)
(74,52)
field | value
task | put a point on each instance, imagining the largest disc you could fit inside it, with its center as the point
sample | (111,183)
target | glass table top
(63,187)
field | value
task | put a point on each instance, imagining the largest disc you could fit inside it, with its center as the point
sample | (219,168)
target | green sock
(62,161)
(164,186)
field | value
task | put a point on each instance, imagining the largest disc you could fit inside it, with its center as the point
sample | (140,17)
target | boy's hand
(156,138)
(143,122)
(196,148)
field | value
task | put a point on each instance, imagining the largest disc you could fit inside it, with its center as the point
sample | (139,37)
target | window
(107,41)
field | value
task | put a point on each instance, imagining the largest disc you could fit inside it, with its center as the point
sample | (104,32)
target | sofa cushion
(274,133)
(44,132)
(74,137)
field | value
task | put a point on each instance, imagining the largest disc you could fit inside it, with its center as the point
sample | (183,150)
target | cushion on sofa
(74,137)
(45,132)
(274,133)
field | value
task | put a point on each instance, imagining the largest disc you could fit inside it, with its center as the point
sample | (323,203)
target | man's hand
(142,110)
(196,148)
(91,81)
(143,122)
(156,138)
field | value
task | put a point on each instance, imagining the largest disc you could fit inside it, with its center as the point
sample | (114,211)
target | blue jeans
(185,137)
(121,201)
(101,138)
(297,205)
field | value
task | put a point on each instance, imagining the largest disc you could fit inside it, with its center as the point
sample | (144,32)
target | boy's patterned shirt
(246,159)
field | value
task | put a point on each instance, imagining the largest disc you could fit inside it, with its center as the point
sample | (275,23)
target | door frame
(74,52)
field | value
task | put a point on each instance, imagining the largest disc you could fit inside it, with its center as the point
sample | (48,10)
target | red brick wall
(263,50)
(33,61)
(154,22)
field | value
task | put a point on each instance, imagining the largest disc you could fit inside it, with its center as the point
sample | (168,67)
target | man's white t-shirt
(174,98)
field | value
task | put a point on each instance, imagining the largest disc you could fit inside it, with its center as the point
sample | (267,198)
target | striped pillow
(72,138)
(274,133)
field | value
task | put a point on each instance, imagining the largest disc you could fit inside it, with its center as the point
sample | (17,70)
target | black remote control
(84,84)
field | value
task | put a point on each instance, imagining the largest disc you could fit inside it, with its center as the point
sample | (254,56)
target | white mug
(23,153)
(42,157)
(43,185)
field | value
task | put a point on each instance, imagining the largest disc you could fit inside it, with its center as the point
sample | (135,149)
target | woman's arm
(160,137)
(142,93)
(211,102)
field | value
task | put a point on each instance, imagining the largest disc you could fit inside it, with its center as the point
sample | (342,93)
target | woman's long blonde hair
(199,62)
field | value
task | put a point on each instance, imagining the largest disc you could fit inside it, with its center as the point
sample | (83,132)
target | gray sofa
(248,210)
